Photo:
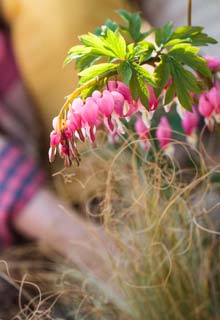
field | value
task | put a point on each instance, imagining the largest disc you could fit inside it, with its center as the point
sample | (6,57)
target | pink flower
(141,129)
(118,103)
(190,121)
(121,88)
(213,63)
(214,98)
(143,133)
(164,133)
(90,112)
(54,138)
(209,106)
(74,120)
(106,103)
(205,107)
(153,101)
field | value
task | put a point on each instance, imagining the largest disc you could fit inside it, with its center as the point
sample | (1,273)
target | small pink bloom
(190,121)
(106,104)
(77,105)
(213,63)
(164,133)
(214,97)
(118,103)
(153,101)
(205,107)
(141,129)
(74,120)
(55,123)
(54,138)
(90,111)
(96,94)
(130,109)
(121,88)
(68,133)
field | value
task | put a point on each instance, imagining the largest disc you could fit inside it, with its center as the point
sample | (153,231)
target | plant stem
(189,13)
(78,91)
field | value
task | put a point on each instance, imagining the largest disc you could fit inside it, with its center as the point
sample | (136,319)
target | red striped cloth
(20,175)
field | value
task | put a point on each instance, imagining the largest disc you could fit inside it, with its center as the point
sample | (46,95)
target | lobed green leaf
(109,24)
(187,55)
(184,83)
(162,74)
(163,35)
(138,88)
(97,45)
(193,35)
(125,71)
(115,42)
(170,94)
(133,86)
(86,61)
(132,25)
(143,92)
(76,52)
(96,71)
(144,74)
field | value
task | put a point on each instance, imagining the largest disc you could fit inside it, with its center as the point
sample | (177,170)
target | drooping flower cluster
(106,108)
(110,107)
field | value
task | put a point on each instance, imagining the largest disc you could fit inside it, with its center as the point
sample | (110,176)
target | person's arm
(47,220)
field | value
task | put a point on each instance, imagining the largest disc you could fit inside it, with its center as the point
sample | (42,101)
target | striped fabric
(20,175)
(20,178)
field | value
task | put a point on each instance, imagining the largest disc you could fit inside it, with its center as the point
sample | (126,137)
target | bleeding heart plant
(121,87)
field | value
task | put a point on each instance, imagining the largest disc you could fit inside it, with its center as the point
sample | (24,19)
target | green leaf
(162,74)
(133,86)
(125,72)
(186,32)
(183,48)
(96,70)
(143,46)
(144,49)
(76,52)
(170,93)
(194,35)
(144,74)
(202,40)
(97,45)
(142,91)
(125,15)
(191,82)
(132,25)
(138,89)
(109,24)
(187,54)
(163,35)
(86,61)
(177,41)
(115,42)
(130,51)
(145,56)
(135,26)
(184,83)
